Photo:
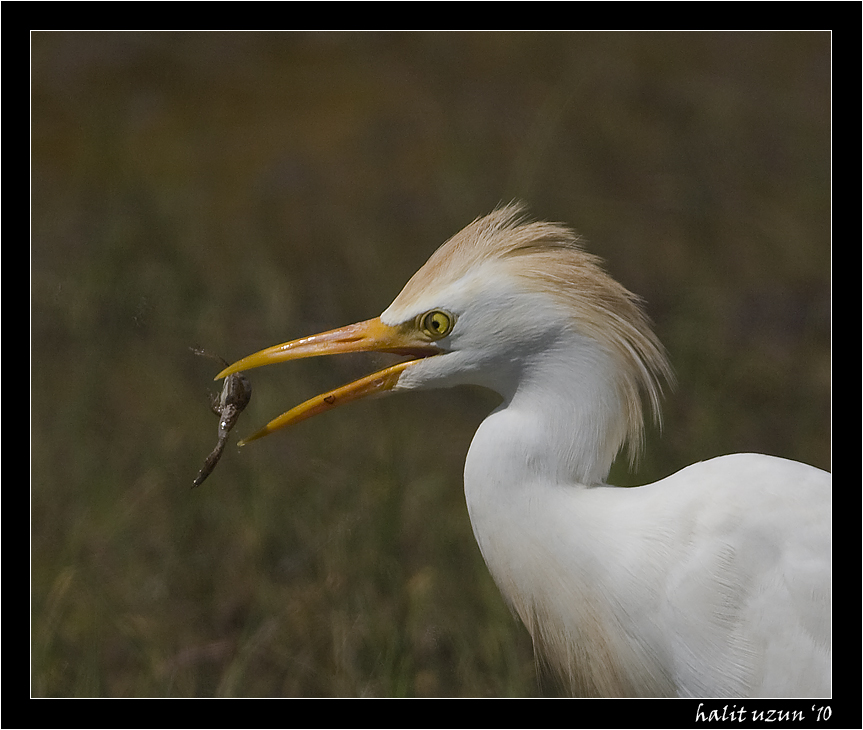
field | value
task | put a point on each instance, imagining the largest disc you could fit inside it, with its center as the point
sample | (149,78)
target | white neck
(561,421)
(530,478)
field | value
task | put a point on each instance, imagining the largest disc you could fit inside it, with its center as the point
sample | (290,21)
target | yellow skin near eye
(436,324)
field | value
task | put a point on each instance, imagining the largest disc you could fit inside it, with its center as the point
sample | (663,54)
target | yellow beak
(369,336)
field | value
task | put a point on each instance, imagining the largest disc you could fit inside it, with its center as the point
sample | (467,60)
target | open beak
(369,336)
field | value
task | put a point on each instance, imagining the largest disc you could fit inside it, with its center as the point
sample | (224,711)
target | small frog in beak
(227,405)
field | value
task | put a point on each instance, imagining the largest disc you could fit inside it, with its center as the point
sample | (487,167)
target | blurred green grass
(234,190)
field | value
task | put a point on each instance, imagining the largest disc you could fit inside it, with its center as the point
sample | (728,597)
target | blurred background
(235,190)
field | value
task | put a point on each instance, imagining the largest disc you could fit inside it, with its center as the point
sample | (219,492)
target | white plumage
(713,582)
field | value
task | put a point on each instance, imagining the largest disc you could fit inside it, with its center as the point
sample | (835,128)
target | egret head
(488,308)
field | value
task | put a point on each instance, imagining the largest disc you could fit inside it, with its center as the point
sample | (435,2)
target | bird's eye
(436,324)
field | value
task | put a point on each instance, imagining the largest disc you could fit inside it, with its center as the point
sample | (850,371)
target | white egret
(712,582)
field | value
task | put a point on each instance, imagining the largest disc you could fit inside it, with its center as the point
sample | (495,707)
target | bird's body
(712,582)
(709,583)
